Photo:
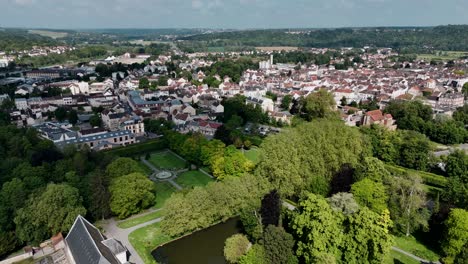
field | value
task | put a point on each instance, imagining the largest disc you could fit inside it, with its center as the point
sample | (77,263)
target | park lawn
(191,179)
(166,161)
(253,155)
(146,239)
(145,168)
(413,246)
(164,190)
(396,257)
(206,169)
(140,220)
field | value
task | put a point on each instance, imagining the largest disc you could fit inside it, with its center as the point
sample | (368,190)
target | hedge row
(428,178)
(139,148)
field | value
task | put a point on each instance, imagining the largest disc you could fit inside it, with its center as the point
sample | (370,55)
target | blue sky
(230,13)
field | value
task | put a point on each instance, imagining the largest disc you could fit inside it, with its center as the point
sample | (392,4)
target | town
(284,146)
(126,99)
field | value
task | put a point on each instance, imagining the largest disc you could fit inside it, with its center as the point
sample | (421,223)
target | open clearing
(164,190)
(411,245)
(50,34)
(191,179)
(278,48)
(146,239)
(166,161)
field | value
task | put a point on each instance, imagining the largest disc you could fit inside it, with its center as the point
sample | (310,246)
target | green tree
(465,90)
(232,164)
(8,242)
(318,105)
(407,203)
(370,194)
(48,213)
(73,117)
(218,201)
(60,114)
(457,164)
(95,120)
(255,255)
(371,168)
(343,203)
(343,101)
(288,164)
(235,247)
(317,229)
(286,102)
(461,114)
(143,83)
(278,245)
(130,194)
(123,166)
(456,235)
(327,235)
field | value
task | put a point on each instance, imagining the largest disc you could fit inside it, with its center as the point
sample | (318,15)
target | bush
(235,247)
(428,178)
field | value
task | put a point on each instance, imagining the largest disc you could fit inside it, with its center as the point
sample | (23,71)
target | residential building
(377,117)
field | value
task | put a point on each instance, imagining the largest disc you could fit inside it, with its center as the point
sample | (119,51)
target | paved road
(112,230)
(463,147)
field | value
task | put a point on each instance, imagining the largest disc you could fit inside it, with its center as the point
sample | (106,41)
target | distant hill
(21,39)
(451,37)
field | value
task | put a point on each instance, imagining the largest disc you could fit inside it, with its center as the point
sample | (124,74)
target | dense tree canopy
(278,246)
(48,213)
(218,201)
(130,194)
(370,194)
(456,237)
(414,115)
(122,166)
(359,237)
(306,157)
(318,105)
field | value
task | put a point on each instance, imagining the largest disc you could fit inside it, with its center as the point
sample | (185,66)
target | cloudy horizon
(230,14)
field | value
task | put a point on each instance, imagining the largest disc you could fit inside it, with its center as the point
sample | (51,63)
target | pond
(202,247)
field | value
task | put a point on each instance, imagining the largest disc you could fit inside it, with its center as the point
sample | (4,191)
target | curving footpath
(421,260)
(112,230)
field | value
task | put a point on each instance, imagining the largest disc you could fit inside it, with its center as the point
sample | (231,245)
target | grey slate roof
(88,246)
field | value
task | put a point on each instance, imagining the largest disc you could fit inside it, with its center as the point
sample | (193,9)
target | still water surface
(203,247)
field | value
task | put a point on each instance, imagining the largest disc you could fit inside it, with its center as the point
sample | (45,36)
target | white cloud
(24,2)
(197,4)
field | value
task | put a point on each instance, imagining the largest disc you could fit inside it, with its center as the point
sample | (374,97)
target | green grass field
(442,55)
(215,49)
(253,155)
(47,33)
(410,244)
(396,257)
(191,179)
(166,160)
(164,190)
(140,220)
(146,239)
(145,168)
